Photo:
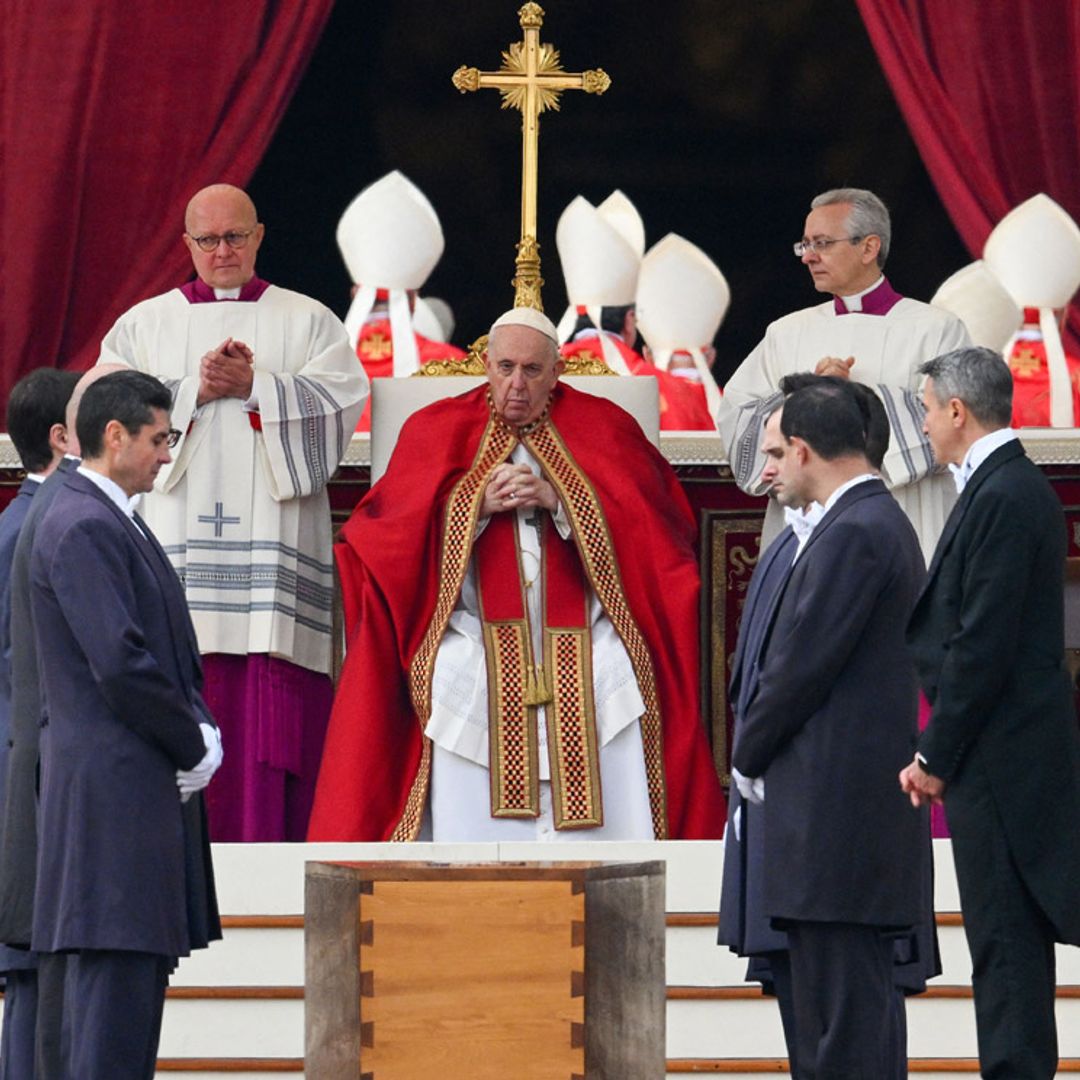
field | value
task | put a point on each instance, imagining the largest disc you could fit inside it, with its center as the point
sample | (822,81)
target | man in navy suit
(1002,749)
(18,834)
(35,422)
(835,707)
(124,880)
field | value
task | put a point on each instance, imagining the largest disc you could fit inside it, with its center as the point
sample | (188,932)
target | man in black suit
(835,708)
(124,880)
(1002,749)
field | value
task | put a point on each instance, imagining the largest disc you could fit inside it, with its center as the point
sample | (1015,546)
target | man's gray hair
(868,216)
(979,378)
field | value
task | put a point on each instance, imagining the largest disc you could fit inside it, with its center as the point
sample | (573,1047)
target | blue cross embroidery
(218,519)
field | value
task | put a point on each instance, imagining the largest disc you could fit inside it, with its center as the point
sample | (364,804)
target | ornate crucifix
(531,79)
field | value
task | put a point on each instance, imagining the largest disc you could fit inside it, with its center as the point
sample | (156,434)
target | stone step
(694,958)
(702,1022)
(941,1023)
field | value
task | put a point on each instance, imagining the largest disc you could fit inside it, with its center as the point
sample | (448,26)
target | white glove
(752,789)
(191,780)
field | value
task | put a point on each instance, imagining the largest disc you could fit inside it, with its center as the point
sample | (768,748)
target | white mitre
(600,265)
(620,213)
(390,238)
(1035,253)
(434,318)
(425,321)
(682,297)
(978,299)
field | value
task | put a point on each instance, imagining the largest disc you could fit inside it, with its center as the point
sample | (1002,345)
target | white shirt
(803,522)
(114,491)
(977,453)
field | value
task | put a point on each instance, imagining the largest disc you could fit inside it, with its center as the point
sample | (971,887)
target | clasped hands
(227,371)
(512,487)
(191,780)
(833,365)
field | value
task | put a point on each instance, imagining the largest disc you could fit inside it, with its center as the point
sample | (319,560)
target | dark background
(724,118)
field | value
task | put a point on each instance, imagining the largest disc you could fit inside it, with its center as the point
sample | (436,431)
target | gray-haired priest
(521,592)
(266,393)
(867,332)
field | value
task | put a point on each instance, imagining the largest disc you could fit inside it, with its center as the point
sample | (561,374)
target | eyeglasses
(819,244)
(209,242)
(172,437)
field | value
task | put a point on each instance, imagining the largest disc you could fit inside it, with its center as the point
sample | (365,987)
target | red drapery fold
(112,115)
(991,96)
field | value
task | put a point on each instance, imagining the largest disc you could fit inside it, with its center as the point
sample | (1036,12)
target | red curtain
(991,95)
(112,114)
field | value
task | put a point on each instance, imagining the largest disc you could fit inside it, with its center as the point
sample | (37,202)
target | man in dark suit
(1001,750)
(18,827)
(35,422)
(835,708)
(124,880)
(744,926)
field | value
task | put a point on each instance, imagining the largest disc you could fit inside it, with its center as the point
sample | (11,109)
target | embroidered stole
(518,684)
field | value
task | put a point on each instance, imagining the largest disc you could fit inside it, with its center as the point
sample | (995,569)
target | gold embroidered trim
(576,798)
(458,530)
(515,778)
(598,557)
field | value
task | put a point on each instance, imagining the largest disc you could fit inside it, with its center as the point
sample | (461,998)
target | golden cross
(531,79)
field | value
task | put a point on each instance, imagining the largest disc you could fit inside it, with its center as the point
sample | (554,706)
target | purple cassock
(272,715)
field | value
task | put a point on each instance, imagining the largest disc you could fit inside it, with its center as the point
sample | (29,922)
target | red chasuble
(682,402)
(375,348)
(402,557)
(1031,377)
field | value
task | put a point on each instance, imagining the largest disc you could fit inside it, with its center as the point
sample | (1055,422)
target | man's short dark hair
(826,415)
(127,396)
(875,419)
(38,401)
(979,378)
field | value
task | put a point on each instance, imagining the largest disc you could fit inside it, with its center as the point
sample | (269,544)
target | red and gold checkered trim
(461,512)
(515,779)
(598,557)
(577,801)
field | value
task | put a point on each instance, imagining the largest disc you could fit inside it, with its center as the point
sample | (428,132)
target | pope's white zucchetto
(530,317)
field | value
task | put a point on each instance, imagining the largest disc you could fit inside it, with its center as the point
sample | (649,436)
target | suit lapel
(998,458)
(175,600)
(146,544)
(782,543)
(865,490)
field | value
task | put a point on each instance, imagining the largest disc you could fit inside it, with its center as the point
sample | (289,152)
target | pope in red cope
(522,617)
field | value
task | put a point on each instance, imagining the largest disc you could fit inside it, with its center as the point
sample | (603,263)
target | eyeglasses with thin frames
(819,244)
(172,437)
(235,239)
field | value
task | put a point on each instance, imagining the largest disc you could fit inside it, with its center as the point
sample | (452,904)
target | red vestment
(375,348)
(682,401)
(1031,379)
(402,556)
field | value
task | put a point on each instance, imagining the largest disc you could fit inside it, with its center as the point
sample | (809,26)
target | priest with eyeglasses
(866,331)
(266,393)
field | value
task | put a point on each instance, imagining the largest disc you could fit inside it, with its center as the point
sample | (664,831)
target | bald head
(88,379)
(218,198)
(222,234)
